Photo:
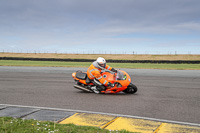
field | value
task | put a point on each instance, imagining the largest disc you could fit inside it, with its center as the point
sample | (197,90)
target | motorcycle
(121,82)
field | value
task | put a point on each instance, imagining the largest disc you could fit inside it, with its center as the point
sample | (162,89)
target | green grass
(87,64)
(43,63)
(13,125)
(157,66)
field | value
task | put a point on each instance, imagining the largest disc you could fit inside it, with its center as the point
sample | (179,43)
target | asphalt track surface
(162,94)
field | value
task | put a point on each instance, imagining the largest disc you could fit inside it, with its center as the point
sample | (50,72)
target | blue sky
(100,26)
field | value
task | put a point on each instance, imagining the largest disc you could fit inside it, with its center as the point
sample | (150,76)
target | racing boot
(94,89)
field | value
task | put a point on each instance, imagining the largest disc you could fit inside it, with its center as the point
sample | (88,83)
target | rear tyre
(131,89)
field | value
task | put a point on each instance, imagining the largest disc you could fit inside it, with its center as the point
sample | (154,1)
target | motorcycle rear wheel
(131,89)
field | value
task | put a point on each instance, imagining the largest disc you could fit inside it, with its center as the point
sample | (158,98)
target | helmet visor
(102,65)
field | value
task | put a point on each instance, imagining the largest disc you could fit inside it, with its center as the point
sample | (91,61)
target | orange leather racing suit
(94,72)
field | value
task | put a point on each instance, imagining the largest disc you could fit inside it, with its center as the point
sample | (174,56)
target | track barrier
(109,60)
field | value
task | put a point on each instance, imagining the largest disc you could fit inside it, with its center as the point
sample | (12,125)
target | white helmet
(101,63)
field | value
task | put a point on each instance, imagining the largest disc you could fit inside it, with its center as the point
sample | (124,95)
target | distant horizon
(93,53)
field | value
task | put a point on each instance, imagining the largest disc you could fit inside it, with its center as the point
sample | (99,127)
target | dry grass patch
(106,56)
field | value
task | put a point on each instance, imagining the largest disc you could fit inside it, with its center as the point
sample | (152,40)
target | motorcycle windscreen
(121,76)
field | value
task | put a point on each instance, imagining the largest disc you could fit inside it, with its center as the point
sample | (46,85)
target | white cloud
(55,24)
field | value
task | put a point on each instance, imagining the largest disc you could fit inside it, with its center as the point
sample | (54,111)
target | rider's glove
(114,70)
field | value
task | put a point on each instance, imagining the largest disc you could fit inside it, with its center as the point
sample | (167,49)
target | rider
(94,74)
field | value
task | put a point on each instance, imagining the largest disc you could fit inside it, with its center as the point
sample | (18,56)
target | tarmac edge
(108,120)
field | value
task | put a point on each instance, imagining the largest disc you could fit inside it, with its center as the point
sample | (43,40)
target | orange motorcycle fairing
(121,79)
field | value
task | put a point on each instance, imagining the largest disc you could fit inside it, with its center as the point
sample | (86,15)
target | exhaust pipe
(81,88)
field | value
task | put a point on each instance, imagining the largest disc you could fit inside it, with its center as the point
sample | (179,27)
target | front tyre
(131,89)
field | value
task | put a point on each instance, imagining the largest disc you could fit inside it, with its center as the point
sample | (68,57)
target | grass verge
(13,125)
(87,64)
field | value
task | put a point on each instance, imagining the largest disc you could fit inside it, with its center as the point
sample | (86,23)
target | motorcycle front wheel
(131,89)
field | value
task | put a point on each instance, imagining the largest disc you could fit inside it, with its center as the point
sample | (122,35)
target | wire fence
(103,52)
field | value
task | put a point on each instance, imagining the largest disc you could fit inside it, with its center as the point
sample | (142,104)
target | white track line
(119,115)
